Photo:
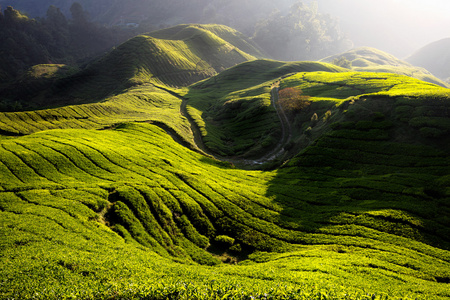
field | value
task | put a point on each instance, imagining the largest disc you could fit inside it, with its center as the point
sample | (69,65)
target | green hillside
(366,59)
(234,110)
(434,57)
(358,209)
(178,56)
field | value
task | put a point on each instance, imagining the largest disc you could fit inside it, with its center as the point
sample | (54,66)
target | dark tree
(55,17)
(13,17)
(79,16)
(57,26)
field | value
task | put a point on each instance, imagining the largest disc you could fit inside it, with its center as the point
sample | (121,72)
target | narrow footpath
(286,133)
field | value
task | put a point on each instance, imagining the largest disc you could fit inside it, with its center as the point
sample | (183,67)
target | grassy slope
(366,59)
(234,111)
(364,209)
(176,56)
(135,82)
(191,32)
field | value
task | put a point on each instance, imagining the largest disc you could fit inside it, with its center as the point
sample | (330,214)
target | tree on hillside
(14,17)
(292,100)
(57,26)
(55,17)
(79,16)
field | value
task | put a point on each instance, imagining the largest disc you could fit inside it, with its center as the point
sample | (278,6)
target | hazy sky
(397,26)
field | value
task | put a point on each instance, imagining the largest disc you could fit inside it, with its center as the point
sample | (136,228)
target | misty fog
(285,29)
(399,27)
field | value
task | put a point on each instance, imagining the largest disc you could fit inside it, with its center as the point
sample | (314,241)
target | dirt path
(198,140)
(286,133)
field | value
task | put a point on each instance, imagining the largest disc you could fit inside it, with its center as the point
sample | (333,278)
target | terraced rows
(177,203)
(52,161)
(344,85)
(172,62)
(363,207)
(145,103)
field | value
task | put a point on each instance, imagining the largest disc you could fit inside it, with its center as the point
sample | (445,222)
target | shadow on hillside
(333,206)
(62,88)
(233,111)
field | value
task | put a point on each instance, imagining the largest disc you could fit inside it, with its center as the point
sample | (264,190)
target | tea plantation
(117,198)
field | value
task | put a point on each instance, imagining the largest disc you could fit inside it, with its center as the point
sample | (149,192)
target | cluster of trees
(242,13)
(52,39)
(301,34)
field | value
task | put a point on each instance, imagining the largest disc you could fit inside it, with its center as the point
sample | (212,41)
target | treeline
(52,39)
(286,29)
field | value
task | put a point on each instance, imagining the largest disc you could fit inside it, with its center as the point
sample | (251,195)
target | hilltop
(367,59)
(176,56)
(434,57)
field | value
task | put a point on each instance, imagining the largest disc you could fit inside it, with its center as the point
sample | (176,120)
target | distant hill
(434,57)
(176,56)
(367,59)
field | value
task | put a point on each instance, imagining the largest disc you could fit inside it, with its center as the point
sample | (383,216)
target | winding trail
(286,132)
(195,130)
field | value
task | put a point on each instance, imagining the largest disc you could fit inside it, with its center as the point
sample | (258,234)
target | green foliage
(327,115)
(224,239)
(342,62)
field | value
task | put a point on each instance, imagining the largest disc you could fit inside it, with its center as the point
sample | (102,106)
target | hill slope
(366,59)
(235,110)
(177,57)
(128,212)
(434,57)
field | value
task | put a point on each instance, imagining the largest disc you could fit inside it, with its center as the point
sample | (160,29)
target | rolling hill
(234,110)
(115,193)
(434,57)
(367,59)
(119,85)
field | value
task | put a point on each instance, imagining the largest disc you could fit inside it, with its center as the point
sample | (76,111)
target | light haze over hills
(399,27)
